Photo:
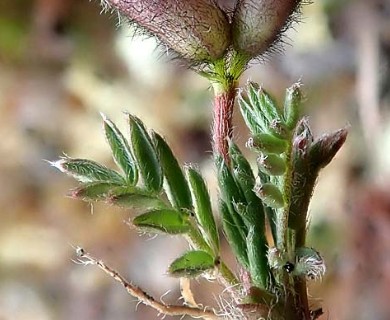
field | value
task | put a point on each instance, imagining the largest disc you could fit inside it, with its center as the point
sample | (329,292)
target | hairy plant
(175,200)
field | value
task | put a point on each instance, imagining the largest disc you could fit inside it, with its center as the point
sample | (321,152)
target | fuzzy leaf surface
(177,187)
(137,200)
(202,208)
(191,264)
(88,171)
(163,221)
(95,191)
(233,235)
(121,151)
(145,155)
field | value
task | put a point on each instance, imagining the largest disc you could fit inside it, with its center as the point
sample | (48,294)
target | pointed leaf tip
(202,207)
(145,154)
(87,171)
(323,150)
(176,186)
(121,151)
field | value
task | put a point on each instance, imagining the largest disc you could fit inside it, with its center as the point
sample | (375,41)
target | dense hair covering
(196,29)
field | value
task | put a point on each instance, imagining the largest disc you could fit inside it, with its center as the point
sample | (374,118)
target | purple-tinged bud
(258,24)
(302,140)
(196,29)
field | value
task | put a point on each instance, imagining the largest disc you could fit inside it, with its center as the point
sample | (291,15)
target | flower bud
(258,24)
(269,194)
(271,164)
(267,143)
(302,141)
(292,105)
(196,29)
(279,129)
(325,147)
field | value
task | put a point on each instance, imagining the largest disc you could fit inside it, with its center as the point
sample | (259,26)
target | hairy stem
(222,121)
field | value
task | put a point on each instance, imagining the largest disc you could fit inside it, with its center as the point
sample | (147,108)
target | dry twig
(135,291)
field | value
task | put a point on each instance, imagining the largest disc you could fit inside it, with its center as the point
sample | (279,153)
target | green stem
(283,214)
(303,186)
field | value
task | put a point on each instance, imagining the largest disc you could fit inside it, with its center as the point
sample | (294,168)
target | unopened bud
(325,148)
(271,164)
(279,129)
(196,29)
(267,143)
(270,195)
(258,24)
(292,105)
(302,140)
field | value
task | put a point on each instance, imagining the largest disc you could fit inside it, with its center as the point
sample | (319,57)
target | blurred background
(62,61)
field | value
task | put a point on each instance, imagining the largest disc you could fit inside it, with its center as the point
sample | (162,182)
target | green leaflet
(163,221)
(253,216)
(192,264)
(279,129)
(292,105)
(95,191)
(254,123)
(120,151)
(270,195)
(177,188)
(272,164)
(231,195)
(137,200)
(267,143)
(232,220)
(239,162)
(203,209)
(253,91)
(233,235)
(257,258)
(145,155)
(263,103)
(253,213)
(87,171)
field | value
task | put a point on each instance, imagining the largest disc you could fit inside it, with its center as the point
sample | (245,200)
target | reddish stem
(223,125)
